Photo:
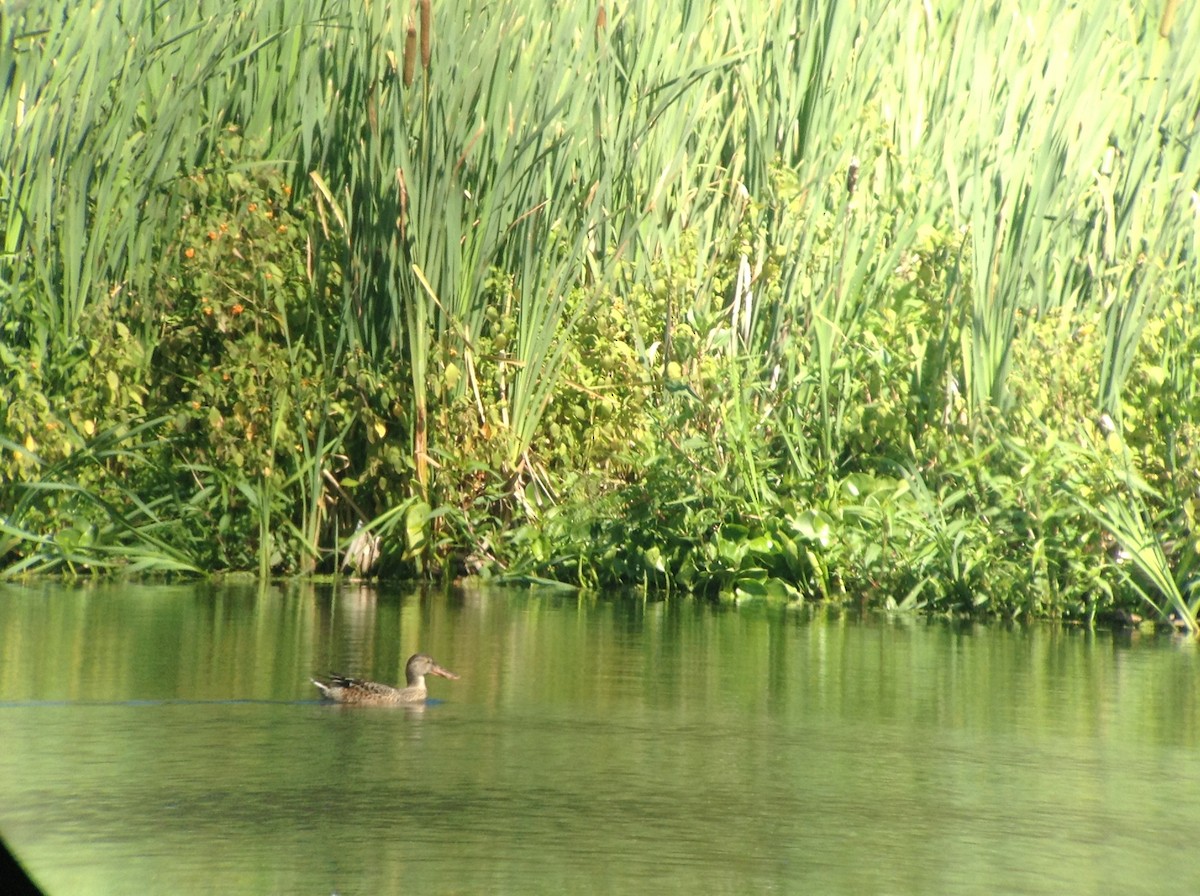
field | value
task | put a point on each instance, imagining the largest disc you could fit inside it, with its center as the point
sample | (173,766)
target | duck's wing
(355,685)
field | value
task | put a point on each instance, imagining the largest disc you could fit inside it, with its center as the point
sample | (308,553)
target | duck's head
(420,665)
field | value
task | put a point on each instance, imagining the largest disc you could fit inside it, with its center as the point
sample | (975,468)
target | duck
(341,689)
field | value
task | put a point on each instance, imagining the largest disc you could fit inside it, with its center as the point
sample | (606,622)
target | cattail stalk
(410,54)
(426,33)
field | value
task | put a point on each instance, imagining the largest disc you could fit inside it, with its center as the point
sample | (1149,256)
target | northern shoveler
(372,693)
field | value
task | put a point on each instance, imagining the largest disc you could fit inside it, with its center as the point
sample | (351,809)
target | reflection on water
(167,740)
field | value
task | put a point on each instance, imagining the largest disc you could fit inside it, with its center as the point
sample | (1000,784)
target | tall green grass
(487,173)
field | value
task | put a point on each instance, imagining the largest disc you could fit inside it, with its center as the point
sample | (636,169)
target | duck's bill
(445,673)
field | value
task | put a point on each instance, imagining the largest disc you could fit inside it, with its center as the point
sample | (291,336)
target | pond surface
(166,739)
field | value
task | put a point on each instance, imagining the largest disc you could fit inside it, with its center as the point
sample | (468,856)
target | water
(167,740)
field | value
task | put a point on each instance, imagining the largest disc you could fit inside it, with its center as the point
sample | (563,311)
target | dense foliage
(890,304)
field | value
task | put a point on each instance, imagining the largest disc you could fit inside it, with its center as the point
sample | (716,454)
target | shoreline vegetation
(869,303)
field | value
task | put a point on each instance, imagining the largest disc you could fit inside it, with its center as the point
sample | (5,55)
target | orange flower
(253,206)
(238,308)
(189,252)
(212,234)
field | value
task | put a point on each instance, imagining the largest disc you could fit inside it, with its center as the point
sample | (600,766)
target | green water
(167,740)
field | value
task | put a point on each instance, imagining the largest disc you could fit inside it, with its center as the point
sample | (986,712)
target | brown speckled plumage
(340,689)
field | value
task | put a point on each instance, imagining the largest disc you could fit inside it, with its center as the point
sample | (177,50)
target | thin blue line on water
(38,704)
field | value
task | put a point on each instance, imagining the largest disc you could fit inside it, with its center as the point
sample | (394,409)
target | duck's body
(371,693)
